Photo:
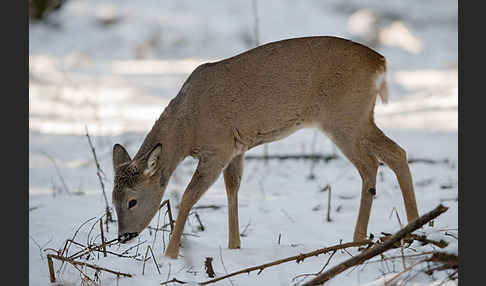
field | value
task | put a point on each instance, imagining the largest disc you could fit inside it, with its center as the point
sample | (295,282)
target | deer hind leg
(367,165)
(208,170)
(232,178)
(396,158)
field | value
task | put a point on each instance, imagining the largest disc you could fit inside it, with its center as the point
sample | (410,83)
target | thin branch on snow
(100,172)
(378,248)
(298,258)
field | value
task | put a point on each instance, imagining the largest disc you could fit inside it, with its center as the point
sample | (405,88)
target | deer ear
(120,155)
(153,161)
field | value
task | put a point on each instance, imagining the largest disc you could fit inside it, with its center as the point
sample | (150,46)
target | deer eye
(132,203)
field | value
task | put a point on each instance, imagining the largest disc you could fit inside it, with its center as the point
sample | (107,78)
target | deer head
(138,189)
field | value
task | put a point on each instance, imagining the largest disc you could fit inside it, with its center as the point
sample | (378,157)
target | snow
(117,78)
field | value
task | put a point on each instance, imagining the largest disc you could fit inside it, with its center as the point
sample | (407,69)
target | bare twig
(379,248)
(61,178)
(450,261)
(173,280)
(313,163)
(102,237)
(169,210)
(66,247)
(422,238)
(85,276)
(313,157)
(91,248)
(51,268)
(155,261)
(145,259)
(201,226)
(99,172)
(62,258)
(214,207)
(320,271)
(329,205)
(243,233)
(40,247)
(224,267)
(451,235)
(208,266)
(388,282)
(298,258)
(157,228)
(428,161)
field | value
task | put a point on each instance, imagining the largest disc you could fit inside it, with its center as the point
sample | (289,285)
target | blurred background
(114,65)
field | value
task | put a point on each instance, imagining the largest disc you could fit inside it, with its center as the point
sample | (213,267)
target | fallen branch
(424,161)
(214,207)
(314,157)
(379,248)
(410,238)
(298,258)
(428,161)
(450,261)
(61,258)
(422,238)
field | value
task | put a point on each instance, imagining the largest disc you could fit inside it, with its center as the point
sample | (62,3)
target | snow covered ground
(114,65)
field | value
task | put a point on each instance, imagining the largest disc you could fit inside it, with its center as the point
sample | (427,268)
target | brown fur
(265,94)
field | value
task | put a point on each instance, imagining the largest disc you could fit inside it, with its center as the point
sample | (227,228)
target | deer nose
(123,238)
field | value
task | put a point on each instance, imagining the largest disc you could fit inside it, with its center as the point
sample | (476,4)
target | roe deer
(228,107)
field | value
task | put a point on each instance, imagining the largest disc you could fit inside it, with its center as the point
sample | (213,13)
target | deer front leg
(205,175)
(232,179)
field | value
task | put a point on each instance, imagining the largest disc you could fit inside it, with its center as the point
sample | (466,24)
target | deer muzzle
(126,237)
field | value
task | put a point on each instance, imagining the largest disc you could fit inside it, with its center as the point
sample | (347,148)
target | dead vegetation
(90,251)
(85,258)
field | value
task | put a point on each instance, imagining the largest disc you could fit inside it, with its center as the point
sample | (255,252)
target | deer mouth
(126,237)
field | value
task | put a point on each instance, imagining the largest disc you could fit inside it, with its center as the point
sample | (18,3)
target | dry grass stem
(329,205)
(99,172)
(169,210)
(388,282)
(102,237)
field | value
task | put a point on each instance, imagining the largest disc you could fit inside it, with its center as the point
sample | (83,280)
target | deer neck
(167,130)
